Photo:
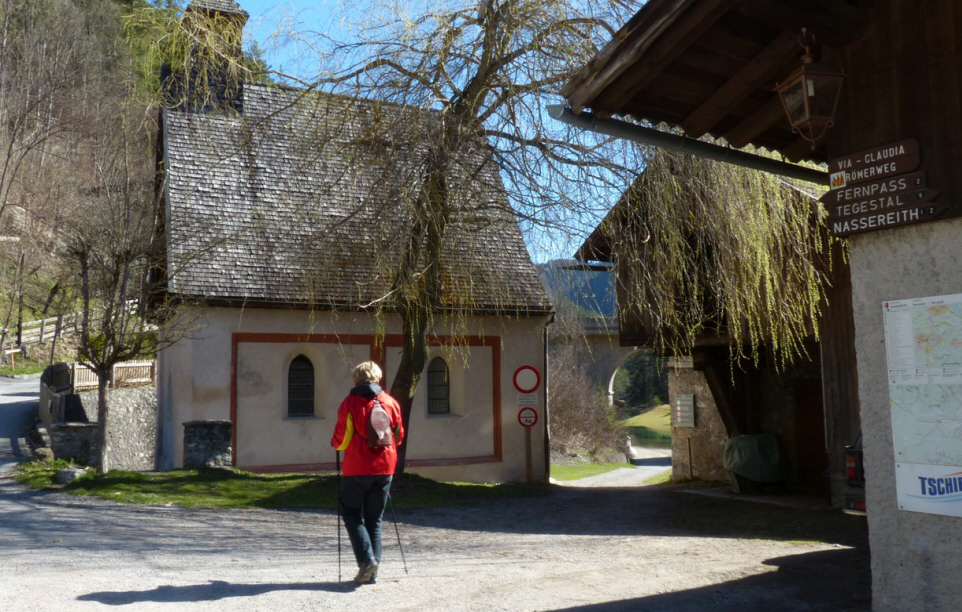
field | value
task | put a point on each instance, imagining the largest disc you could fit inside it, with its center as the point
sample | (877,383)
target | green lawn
(224,488)
(24,366)
(653,425)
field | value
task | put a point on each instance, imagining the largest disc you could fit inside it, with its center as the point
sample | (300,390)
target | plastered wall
(481,440)
(915,560)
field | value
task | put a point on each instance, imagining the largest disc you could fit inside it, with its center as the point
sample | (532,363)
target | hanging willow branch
(708,248)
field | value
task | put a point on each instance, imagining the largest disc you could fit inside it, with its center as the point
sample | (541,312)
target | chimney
(212,74)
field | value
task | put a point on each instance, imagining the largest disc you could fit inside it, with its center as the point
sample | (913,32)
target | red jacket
(350,432)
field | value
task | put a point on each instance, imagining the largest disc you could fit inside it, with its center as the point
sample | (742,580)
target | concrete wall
(696,452)
(915,560)
(197,374)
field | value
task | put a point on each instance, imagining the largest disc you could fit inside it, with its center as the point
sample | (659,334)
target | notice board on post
(683,412)
(923,350)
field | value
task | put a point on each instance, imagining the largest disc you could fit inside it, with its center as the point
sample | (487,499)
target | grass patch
(653,425)
(658,479)
(24,366)
(226,488)
(577,471)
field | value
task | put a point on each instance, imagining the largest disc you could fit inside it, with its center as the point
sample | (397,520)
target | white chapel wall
(195,384)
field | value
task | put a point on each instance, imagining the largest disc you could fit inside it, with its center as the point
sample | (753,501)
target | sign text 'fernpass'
(865,191)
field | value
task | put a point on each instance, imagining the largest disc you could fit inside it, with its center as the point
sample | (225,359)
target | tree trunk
(420,295)
(20,296)
(414,354)
(102,468)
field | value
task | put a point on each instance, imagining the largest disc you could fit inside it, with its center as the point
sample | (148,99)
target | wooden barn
(892,146)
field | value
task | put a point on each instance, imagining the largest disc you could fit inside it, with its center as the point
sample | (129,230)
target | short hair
(367,372)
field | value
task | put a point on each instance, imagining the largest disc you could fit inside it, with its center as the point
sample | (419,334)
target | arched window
(300,388)
(439,387)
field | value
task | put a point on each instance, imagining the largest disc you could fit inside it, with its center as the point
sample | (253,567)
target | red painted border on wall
(378,352)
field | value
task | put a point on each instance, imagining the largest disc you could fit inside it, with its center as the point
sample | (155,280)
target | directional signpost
(880,188)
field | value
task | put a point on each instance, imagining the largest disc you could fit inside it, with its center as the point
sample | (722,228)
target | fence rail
(38,332)
(126,374)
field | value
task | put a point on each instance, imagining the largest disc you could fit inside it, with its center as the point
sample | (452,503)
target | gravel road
(579,548)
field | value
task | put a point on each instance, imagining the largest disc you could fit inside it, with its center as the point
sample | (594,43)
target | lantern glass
(793,98)
(810,96)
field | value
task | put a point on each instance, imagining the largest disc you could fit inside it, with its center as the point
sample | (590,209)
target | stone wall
(207,444)
(696,452)
(132,426)
(77,441)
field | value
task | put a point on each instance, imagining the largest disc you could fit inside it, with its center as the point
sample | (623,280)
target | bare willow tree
(472,72)
(706,248)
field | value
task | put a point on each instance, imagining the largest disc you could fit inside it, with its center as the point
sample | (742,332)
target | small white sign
(527,401)
(933,489)
(527,417)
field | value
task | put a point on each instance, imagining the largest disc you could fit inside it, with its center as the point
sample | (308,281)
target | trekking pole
(396,531)
(337,462)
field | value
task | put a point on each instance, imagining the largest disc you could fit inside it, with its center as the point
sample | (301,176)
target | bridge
(605,354)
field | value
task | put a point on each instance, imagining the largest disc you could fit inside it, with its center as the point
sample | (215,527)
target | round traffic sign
(527,379)
(527,417)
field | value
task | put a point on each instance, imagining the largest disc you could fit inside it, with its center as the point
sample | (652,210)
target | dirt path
(576,549)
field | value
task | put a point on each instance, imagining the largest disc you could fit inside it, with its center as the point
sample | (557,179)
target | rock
(43,454)
(69,474)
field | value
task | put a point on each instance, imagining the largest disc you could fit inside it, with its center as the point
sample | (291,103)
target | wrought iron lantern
(810,95)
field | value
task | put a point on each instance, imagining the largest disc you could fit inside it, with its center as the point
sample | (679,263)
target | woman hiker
(370,456)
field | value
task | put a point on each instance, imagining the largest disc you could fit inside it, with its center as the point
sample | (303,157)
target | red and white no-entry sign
(528,417)
(527,379)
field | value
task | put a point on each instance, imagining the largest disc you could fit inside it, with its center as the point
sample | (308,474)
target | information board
(684,410)
(923,349)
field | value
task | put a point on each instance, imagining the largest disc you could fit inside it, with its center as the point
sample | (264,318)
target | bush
(581,417)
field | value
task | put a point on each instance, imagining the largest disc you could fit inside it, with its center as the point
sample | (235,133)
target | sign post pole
(527,456)
(527,380)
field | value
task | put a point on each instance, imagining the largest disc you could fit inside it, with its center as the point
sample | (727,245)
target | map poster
(923,344)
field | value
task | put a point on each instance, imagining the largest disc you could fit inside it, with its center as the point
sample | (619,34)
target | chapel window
(439,387)
(300,387)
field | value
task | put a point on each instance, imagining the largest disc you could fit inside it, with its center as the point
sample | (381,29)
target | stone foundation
(76,441)
(207,444)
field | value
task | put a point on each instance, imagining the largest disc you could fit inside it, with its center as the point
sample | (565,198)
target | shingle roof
(228,7)
(289,203)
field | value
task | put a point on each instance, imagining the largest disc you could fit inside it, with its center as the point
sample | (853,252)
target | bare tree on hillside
(53,57)
(109,242)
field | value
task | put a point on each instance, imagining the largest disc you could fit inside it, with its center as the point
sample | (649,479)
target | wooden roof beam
(751,76)
(764,117)
(628,44)
(674,41)
(833,22)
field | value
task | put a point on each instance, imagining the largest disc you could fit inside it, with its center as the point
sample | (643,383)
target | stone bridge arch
(605,355)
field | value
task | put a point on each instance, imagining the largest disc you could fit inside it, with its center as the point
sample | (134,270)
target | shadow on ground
(212,591)
(843,578)
(653,462)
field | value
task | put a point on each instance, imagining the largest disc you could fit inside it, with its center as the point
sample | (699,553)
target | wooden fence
(38,332)
(126,374)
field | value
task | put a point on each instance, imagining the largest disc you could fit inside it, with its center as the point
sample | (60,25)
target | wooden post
(527,456)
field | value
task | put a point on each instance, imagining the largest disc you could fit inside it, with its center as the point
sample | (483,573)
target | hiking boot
(366,574)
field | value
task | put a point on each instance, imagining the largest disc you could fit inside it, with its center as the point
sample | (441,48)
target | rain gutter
(673,142)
